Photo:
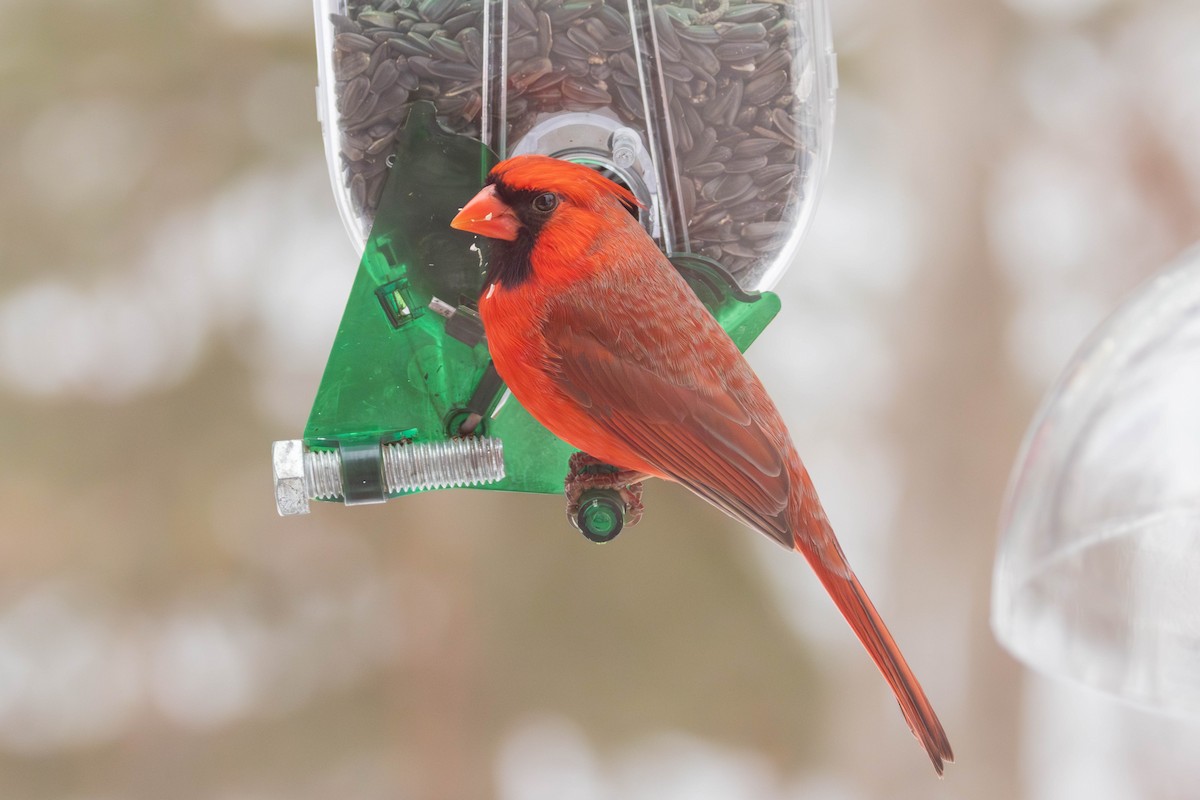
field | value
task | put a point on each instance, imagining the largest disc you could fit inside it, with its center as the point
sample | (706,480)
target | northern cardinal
(606,345)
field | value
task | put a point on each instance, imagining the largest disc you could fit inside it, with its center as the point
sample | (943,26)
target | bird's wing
(682,399)
(662,387)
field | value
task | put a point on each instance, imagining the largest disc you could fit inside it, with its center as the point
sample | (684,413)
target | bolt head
(287,465)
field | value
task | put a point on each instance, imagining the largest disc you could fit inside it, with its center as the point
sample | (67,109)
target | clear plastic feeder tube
(717,113)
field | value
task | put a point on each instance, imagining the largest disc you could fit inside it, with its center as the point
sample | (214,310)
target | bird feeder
(716,114)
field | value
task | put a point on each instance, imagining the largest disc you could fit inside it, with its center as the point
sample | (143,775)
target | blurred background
(173,271)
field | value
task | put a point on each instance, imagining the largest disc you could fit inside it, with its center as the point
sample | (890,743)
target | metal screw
(302,474)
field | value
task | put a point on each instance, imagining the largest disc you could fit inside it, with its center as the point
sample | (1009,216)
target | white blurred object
(1097,577)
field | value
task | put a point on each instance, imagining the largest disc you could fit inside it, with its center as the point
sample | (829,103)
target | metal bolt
(302,474)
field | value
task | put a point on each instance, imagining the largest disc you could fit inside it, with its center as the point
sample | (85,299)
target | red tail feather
(851,599)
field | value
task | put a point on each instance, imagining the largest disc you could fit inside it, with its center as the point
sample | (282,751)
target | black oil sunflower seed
(728,72)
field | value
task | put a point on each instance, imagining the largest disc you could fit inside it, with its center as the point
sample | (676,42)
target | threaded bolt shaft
(302,474)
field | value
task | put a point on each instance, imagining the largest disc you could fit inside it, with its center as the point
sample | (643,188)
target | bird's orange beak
(488,215)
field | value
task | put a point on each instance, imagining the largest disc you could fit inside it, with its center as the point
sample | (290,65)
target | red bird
(606,345)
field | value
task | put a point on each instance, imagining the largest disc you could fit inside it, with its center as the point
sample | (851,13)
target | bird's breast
(512,323)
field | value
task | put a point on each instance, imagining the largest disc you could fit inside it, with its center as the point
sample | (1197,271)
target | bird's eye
(545,203)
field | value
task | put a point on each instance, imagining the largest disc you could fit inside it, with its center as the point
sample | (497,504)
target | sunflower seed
(448,49)
(773,171)
(703,34)
(450,105)
(565,48)
(556,76)
(768,133)
(687,198)
(778,58)
(784,123)
(472,44)
(436,10)
(522,47)
(781,30)
(412,44)
(617,43)
(358,193)
(751,12)
(394,97)
(721,153)
(384,76)
(683,134)
(352,42)
(765,87)
(409,14)
(586,42)
(458,24)
(624,62)
(708,169)
(522,14)
(585,93)
(681,15)
(745,117)
(761,230)
(740,51)
(677,72)
(756,209)
(569,12)
(705,143)
(343,24)
(425,29)
(709,219)
(745,32)
(751,164)
(699,56)
(420,65)
(454,71)
(516,107)
(665,29)
(612,19)
(524,75)
(735,248)
(626,79)
(631,99)
(729,102)
(407,80)
(377,19)
(693,120)
(774,189)
(354,146)
(751,147)
(381,144)
(353,94)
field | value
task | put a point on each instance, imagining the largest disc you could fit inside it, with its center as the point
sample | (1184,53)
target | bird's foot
(588,477)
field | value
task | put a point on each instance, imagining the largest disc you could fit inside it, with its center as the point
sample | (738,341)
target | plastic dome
(1097,577)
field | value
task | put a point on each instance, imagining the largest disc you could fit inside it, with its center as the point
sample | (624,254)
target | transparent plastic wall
(1097,574)
(716,113)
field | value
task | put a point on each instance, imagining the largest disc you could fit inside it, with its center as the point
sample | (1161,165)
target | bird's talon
(592,481)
